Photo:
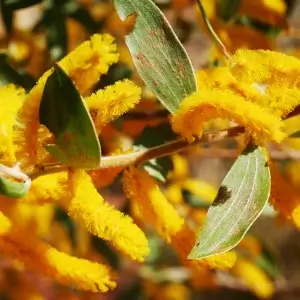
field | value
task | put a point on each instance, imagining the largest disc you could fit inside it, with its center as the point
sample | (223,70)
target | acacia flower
(40,257)
(113,101)
(265,67)
(205,105)
(49,188)
(84,65)
(103,220)
(11,99)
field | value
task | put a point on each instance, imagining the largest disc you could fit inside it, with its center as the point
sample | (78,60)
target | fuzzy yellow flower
(40,257)
(205,105)
(48,188)
(103,220)
(113,101)
(84,65)
(11,99)
(265,67)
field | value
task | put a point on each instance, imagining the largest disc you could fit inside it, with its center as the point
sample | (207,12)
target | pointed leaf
(157,53)
(240,200)
(63,112)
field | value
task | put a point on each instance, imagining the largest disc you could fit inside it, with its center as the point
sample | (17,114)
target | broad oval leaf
(157,53)
(240,200)
(63,112)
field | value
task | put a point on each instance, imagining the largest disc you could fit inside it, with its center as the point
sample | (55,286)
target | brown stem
(142,156)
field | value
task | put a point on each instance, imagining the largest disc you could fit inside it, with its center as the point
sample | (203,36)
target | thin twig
(141,156)
(211,30)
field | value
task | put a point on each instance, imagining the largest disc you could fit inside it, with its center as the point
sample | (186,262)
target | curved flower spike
(11,99)
(103,220)
(205,105)
(37,255)
(108,104)
(265,67)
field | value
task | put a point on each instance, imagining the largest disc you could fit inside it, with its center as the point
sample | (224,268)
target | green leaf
(63,112)
(8,74)
(19,4)
(158,55)
(240,200)
(151,137)
(228,8)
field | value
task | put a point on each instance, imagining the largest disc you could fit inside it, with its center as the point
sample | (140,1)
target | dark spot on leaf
(249,149)
(223,195)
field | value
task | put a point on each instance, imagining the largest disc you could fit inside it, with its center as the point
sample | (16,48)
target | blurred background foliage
(36,33)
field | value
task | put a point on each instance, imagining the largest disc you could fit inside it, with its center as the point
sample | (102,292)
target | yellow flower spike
(154,208)
(205,105)
(272,12)
(103,220)
(108,104)
(84,65)
(11,99)
(264,66)
(256,280)
(185,240)
(284,197)
(37,255)
(282,100)
(48,188)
